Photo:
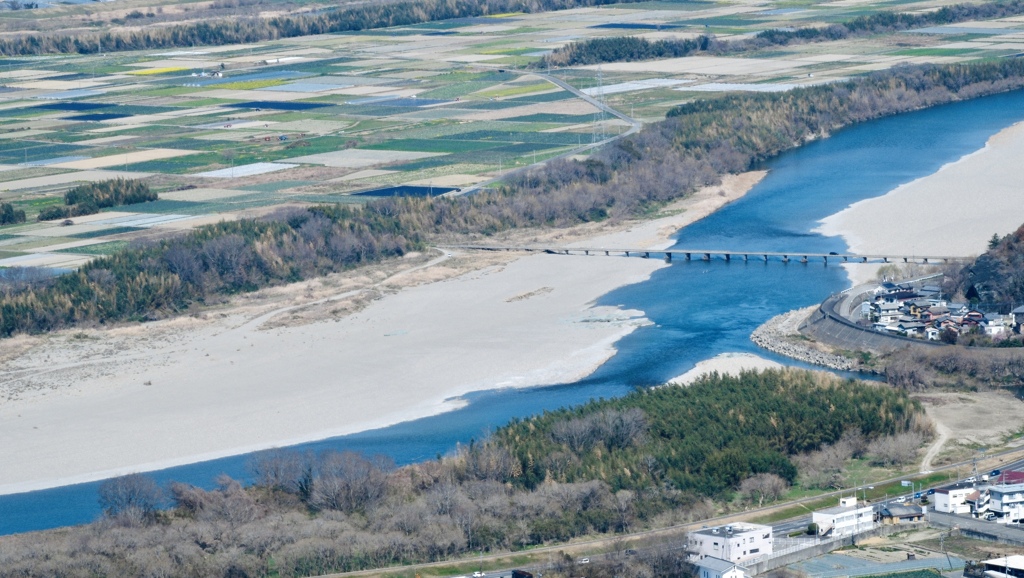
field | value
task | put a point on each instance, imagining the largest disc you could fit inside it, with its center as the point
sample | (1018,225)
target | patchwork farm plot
(435,108)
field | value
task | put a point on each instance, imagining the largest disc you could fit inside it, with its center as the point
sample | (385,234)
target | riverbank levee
(954,211)
(87,405)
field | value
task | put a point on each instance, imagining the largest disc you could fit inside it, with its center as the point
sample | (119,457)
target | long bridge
(707,255)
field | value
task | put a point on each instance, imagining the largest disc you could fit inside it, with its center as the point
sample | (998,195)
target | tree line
(9,215)
(241,30)
(693,147)
(632,48)
(636,460)
(157,278)
(89,198)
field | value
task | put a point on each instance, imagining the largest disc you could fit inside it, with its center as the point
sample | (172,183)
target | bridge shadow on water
(698,309)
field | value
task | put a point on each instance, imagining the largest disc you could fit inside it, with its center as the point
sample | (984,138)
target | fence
(792,553)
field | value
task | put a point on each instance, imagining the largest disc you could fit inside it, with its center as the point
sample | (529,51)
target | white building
(953,499)
(733,543)
(1009,567)
(845,519)
(717,568)
(1007,502)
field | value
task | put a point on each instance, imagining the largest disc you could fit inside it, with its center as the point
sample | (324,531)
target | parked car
(995,473)
(901,499)
(971,480)
(583,561)
(478,574)
(931,492)
(990,516)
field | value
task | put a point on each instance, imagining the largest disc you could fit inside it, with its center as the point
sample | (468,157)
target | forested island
(604,467)
(697,144)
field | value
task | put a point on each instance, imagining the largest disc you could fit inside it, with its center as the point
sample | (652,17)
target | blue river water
(699,309)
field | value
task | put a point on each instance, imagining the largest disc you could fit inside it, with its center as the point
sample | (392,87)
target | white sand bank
(726,364)
(953,212)
(80,406)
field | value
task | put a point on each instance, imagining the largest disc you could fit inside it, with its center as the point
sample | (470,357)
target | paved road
(1005,532)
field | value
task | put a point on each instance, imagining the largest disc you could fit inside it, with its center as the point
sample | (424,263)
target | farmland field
(217,130)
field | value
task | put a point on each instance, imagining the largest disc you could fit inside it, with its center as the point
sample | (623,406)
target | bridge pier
(885,259)
(766,258)
(904,259)
(845,258)
(586,252)
(864,259)
(687,256)
(926,260)
(606,253)
(745,258)
(804,259)
(706,257)
(785,258)
(647,255)
(728,258)
(668,257)
(826,259)
(627,253)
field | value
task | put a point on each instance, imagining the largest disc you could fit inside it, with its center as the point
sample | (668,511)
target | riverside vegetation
(604,467)
(243,27)
(693,147)
(632,48)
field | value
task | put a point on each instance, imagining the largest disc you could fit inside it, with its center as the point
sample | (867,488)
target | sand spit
(83,405)
(726,364)
(953,212)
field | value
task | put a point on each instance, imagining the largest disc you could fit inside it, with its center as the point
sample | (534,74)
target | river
(699,309)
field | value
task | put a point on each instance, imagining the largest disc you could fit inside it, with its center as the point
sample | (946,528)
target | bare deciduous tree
(763,487)
(132,498)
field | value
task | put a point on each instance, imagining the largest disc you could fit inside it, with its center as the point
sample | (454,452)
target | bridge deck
(707,254)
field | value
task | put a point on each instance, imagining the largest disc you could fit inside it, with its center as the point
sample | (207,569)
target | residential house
(978,501)
(911,328)
(734,542)
(717,568)
(846,519)
(953,499)
(958,309)
(997,327)
(935,312)
(887,313)
(901,514)
(1007,502)
(918,308)
(1017,318)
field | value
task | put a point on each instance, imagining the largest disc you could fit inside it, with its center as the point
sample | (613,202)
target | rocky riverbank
(781,334)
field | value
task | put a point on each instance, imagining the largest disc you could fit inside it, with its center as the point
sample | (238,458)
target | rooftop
(738,528)
(896,510)
(1016,562)
(1007,488)
(716,564)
